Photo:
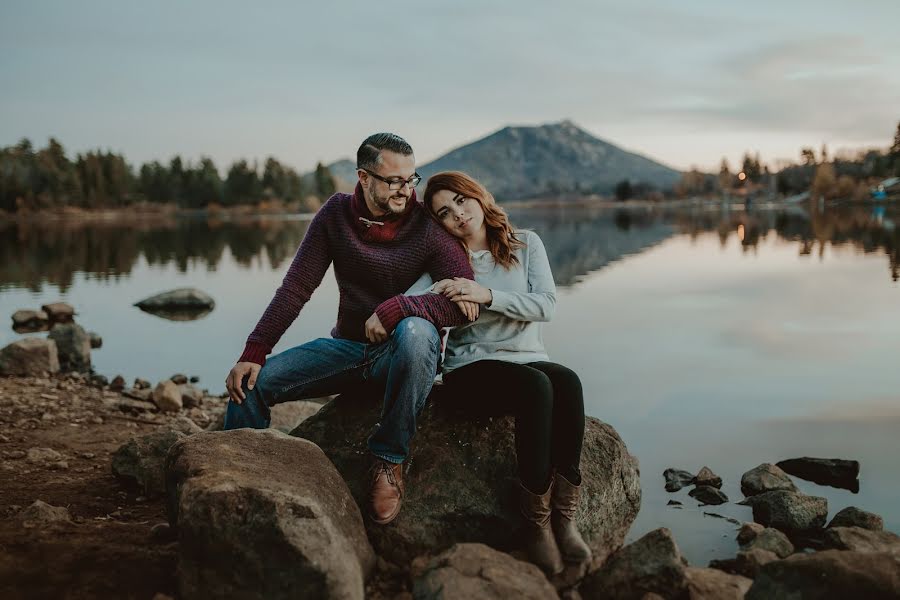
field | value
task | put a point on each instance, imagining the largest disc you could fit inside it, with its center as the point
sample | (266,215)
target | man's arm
(303,277)
(448,259)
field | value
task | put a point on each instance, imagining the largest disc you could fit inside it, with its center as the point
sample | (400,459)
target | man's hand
(470,309)
(375,332)
(236,377)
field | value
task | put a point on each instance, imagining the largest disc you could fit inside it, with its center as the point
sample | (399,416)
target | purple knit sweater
(374,265)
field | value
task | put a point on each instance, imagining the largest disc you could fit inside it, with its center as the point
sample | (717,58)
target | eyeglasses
(396,183)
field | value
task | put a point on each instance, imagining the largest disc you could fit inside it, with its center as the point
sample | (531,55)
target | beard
(383,202)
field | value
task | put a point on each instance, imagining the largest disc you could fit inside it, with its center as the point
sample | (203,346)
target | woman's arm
(539,302)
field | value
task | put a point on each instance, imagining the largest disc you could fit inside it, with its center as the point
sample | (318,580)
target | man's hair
(369,154)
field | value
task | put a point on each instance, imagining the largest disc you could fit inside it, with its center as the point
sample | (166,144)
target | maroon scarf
(377,229)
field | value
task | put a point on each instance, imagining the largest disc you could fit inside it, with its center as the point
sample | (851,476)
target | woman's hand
(460,289)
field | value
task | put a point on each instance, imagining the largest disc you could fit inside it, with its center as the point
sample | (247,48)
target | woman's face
(461,216)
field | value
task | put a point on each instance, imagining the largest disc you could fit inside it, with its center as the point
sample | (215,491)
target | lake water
(708,336)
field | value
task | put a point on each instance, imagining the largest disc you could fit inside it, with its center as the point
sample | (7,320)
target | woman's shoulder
(530,238)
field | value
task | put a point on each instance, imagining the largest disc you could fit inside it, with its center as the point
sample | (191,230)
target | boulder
(478,572)
(33,320)
(29,356)
(856,517)
(461,478)
(765,478)
(288,415)
(747,563)
(677,479)
(860,540)
(707,477)
(117,384)
(706,494)
(790,512)
(835,472)
(711,584)
(829,574)
(652,564)
(39,513)
(184,304)
(272,505)
(141,461)
(167,396)
(59,312)
(73,345)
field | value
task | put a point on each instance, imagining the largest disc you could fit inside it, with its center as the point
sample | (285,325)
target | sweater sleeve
(303,277)
(447,259)
(539,302)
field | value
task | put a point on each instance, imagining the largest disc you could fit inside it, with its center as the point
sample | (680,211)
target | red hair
(502,240)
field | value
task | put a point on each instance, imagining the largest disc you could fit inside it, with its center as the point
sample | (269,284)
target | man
(380,240)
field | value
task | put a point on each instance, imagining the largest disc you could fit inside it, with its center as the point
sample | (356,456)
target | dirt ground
(106,550)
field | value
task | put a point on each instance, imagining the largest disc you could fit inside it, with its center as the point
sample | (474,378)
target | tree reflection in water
(579,240)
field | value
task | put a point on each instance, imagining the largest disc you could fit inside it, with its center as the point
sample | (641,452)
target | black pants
(547,401)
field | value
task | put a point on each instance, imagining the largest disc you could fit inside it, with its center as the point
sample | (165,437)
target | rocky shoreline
(136,492)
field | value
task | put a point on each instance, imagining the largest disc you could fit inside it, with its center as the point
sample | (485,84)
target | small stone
(96,340)
(673,503)
(96,420)
(59,466)
(194,379)
(36,455)
(99,381)
(141,384)
(59,312)
(677,479)
(4,439)
(707,477)
(167,396)
(41,513)
(748,532)
(14,454)
(708,495)
(117,384)
(87,455)
(179,378)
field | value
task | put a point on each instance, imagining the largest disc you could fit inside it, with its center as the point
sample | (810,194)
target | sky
(684,84)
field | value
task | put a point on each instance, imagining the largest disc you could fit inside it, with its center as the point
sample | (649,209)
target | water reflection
(579,240)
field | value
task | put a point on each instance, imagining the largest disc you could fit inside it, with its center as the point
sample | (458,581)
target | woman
(499,363)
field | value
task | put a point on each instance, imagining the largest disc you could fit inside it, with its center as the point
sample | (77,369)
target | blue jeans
(404,366)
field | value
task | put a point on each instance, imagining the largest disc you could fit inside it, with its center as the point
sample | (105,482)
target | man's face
(380,199)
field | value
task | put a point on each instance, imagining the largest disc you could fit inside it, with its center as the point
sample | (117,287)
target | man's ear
(363,176)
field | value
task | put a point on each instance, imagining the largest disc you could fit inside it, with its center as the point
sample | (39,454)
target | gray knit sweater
(510,328)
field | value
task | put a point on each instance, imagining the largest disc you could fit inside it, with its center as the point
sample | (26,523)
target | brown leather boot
(540,546)
(385,491)
(571,545)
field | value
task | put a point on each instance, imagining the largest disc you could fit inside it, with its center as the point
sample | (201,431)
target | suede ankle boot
(540,546)
(571,545)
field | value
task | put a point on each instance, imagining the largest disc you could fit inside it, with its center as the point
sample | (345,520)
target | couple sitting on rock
(405,271)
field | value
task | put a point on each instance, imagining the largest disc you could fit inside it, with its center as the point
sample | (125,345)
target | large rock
(789,511)
(711,584)
(856,517)
(29,356)
(652,564)
(141,461)
(478,572)
(832,574)
(861,540)
(706,494)
(706,477)
(765,478)
(461,479)
(73,344)
(59,312)
(183,304)
(835,472)
(260,514)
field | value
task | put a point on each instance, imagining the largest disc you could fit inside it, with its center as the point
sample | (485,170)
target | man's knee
(416,335)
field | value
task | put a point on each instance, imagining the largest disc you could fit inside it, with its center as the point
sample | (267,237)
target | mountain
(549,160)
